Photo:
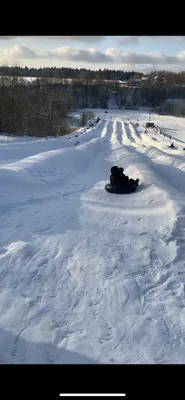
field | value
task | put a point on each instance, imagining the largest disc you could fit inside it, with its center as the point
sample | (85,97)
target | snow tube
(120,189)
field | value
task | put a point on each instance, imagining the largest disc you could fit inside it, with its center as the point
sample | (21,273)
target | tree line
(82,74)
(68,73)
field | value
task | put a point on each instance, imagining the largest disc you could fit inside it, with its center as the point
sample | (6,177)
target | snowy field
(87,276)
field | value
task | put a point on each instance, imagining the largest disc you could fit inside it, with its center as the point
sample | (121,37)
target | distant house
(159,79)
(124,83)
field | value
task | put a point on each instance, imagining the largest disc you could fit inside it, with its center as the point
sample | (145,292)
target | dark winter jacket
(113,179)
(114,175)
(123,179)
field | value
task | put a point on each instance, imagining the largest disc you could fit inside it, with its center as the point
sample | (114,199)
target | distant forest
(82,74)
(68,73)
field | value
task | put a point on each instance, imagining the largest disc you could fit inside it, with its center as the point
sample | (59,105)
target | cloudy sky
(141,53)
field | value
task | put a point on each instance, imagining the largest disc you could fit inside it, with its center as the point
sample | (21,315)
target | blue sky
(141,53)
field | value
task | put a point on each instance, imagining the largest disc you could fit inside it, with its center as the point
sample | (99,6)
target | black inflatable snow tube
(120,189)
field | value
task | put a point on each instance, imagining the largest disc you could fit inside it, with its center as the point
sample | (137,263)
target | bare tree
(37,108)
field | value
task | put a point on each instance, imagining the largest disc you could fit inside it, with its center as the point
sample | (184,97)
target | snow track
(87,276)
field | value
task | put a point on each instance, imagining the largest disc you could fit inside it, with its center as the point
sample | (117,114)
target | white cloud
(71,53)
(140,58)
(20,51)
(181,55)
(111,57)
(111,52)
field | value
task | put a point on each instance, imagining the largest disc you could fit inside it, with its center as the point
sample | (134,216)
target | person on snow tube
(124,179)
(114,175)
(117,177)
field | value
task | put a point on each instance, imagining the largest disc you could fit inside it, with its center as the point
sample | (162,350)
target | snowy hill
(87,276)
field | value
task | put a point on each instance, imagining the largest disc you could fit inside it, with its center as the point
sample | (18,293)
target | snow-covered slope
(86,276)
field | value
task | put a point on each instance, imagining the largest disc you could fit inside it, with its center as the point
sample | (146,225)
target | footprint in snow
(107,333)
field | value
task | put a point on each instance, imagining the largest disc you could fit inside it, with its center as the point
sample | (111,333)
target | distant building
(124,83)
(159,79)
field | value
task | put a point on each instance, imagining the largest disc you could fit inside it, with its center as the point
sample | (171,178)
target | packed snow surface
(87,276)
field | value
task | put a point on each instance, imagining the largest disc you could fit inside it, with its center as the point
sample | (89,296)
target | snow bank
(87,276)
